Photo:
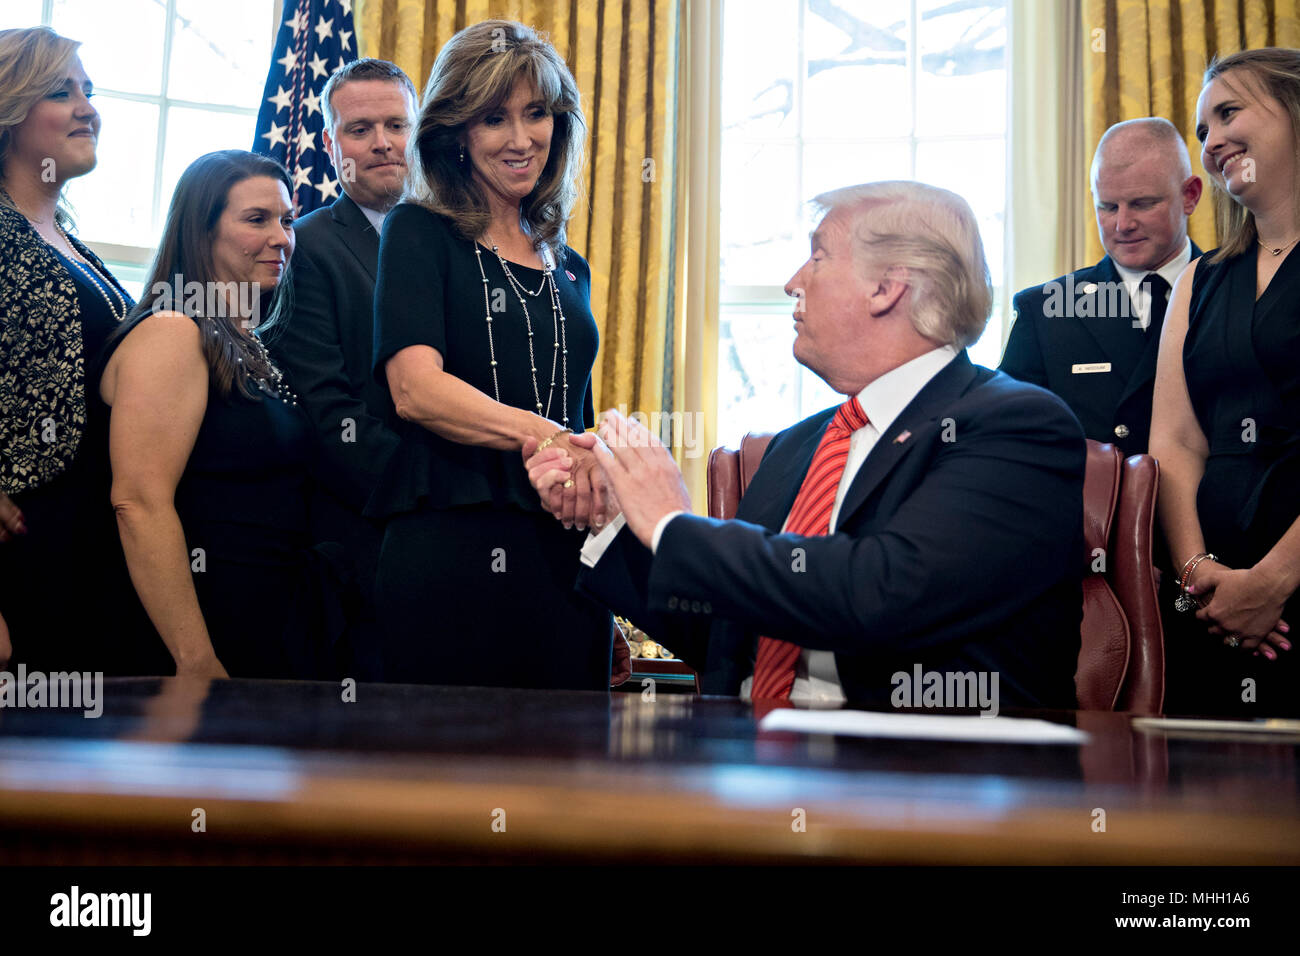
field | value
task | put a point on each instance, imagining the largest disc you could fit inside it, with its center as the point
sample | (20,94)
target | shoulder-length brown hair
(1276,71)
(33,62)
(184,258)
(474,75)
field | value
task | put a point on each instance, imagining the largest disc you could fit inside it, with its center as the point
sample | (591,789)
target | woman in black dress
(209,447)
(485,337)
(1226,417)
(63,588)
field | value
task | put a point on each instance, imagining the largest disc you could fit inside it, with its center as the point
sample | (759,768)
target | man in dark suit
(933,521)
(1092,336)
(369,108)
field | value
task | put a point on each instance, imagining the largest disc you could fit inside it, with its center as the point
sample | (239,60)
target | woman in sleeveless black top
(209,446)
(1226,417)
(64,591)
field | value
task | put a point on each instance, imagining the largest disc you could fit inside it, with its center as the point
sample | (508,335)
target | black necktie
(1158,292)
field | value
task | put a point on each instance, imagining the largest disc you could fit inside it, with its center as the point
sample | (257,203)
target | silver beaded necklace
(274,385)
(560,351)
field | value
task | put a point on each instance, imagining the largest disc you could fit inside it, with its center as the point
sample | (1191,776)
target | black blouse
(430,292)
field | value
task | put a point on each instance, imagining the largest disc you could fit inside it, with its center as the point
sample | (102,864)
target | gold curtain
(624,57)
(1146,58)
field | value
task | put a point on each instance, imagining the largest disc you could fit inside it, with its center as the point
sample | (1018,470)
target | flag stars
(301,177)
(297,22)
(324,28)
(276,135)
(312,102)
(347,6)
(345,39)
(282,98)
(288,61)
(318,67)
(328,188)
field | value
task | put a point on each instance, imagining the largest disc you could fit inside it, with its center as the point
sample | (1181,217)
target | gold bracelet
(546,444)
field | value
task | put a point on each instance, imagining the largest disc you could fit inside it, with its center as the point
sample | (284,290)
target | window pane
(961,85)
(857,70)
(191,133)
(760,55)
(976,171)
(114,202)
(761,242)
(756,390)
(219,54)
(832,165)
(122,41)
(20,13)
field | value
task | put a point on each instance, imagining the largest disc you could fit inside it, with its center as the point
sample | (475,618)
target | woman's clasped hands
(1244,606)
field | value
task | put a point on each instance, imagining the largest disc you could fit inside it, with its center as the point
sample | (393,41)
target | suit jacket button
(1121,431)
(695,607)
(672,604)
(1088,288)
(708,608)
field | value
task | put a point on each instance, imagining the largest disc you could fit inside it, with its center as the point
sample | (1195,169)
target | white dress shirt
(374,215)
(1139,296)
(883,400)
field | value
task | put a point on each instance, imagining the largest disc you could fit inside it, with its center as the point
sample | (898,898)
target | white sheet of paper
(861,723)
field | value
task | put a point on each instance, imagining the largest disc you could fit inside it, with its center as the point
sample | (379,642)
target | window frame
(136,259)
(741,301)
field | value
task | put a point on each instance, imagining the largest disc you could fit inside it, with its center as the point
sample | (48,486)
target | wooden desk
(288,772)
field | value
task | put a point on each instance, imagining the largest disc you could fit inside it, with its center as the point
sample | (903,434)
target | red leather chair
(1121,657)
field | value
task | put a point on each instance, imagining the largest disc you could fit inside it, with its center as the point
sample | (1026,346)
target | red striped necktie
(811,515)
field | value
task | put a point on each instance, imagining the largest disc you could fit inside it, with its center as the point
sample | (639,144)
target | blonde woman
(1226,421)
(62,583)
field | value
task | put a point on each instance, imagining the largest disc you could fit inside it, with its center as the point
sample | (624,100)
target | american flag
(315,39)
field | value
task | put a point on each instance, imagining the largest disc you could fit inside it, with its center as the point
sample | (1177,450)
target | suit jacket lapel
(907,431)
(1146,368)
(1111,322)
(772,491)
(362,240)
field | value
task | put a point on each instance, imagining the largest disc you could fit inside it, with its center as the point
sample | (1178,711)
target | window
(818,94)
(174,79)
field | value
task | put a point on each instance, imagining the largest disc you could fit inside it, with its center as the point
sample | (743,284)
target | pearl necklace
(97,285)
(560,351)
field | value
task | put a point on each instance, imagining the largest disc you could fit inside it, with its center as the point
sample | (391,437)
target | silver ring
(1233,641)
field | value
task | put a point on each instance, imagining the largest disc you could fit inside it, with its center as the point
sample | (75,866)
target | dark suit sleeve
(1023,358)
(994,521)
(620,581)
(311,349)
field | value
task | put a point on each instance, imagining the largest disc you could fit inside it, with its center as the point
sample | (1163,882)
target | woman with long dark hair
(1226,417)
(485,338)
(63,588)
(209,448)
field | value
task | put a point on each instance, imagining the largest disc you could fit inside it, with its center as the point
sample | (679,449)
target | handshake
(587,480)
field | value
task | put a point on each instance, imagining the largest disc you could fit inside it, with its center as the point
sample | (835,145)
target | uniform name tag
(1091,367)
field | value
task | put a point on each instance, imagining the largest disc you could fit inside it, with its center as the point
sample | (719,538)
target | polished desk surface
(290,772)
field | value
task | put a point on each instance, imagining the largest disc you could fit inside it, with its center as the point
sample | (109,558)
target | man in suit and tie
(1092,336)
(369,108)
(932,521)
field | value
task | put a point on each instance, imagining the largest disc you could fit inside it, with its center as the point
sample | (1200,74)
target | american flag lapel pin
(902,436)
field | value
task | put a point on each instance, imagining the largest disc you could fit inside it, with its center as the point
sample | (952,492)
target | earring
(462,154)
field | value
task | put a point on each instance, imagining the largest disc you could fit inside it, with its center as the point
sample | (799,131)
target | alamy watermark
(951,690)
(684,430)
(238,300)
(1092,300)
(72,690)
